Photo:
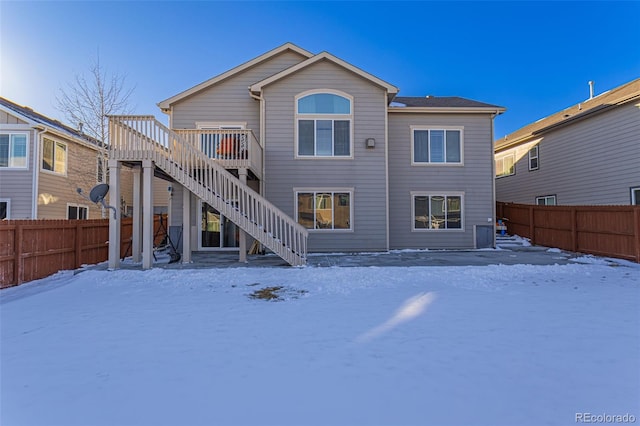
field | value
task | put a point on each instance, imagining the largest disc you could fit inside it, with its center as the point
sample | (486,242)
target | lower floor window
(324,209)
(4,209)
(546,200)
(437,211)
(77,212)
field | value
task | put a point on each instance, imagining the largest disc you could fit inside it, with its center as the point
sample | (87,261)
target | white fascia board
(166,104)
(257,87)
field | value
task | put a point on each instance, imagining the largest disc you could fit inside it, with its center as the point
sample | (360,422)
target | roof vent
(591,83)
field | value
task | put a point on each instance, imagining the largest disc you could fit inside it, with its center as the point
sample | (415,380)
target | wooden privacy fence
(33,249)
(612,231)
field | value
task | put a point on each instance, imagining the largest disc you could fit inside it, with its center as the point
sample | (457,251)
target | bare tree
(89,100)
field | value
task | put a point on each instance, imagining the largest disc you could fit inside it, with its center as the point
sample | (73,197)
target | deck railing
(137,138)
(232,148)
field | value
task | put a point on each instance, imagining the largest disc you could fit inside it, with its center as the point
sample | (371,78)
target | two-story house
(306,152)
(44,162)
(587,154)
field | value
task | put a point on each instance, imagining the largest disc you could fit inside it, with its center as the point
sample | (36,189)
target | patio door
(216,231)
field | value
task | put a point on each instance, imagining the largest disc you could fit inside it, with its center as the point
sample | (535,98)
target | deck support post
(147,214)
(186,225)
(136,234)
(114,218)
(242,235)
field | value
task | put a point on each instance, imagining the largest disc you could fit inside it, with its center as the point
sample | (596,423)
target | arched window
(324,124)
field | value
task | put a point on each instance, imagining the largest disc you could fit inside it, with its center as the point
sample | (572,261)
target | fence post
(78,244)
(532,228)
(574,229)
(636,216)
(18,266)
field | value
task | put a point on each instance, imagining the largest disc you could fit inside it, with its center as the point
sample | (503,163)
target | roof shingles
(43,119)
(619,95)
(440,102)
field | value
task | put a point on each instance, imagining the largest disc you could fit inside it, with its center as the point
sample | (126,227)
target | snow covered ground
(469,345)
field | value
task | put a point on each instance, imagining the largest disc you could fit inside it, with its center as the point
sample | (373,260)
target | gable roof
(603,102)
(441,104)
(36,119)
(164,105)
(391,89)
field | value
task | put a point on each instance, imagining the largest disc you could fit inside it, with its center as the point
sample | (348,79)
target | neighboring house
(342,164)
(42,164)
(588,154)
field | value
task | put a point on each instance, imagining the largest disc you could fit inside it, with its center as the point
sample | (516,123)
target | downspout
(262,137)
(40,130)
(386,166)
(493,176)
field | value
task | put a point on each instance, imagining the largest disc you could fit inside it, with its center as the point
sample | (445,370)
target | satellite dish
(98,192)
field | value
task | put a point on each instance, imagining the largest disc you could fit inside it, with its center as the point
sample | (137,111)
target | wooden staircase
(137,138)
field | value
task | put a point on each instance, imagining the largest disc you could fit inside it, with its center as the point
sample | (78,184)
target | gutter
(262,101)
(39,131)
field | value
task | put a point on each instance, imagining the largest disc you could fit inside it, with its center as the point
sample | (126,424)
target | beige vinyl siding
(160,193)
(474,179)
(6,118)
(229,100)
(55,191)
(364,174)
(591,162)
(17,184)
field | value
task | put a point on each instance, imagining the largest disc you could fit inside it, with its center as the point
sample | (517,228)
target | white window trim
(502,157)
(11,132)
(221,125)
(413,194)
(350,191)
(546,197)
(66,163)
(433,164)
(634,200)
(333,117)
(537,157)
(79,206)
(8,201)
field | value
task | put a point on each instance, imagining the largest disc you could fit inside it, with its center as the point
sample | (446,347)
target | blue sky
(534,58)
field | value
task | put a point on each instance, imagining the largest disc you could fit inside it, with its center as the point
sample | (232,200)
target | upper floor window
(13,150)
(533,158)
(54,156)
(102,172)
(437,145)
(505,165)
(324,125)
